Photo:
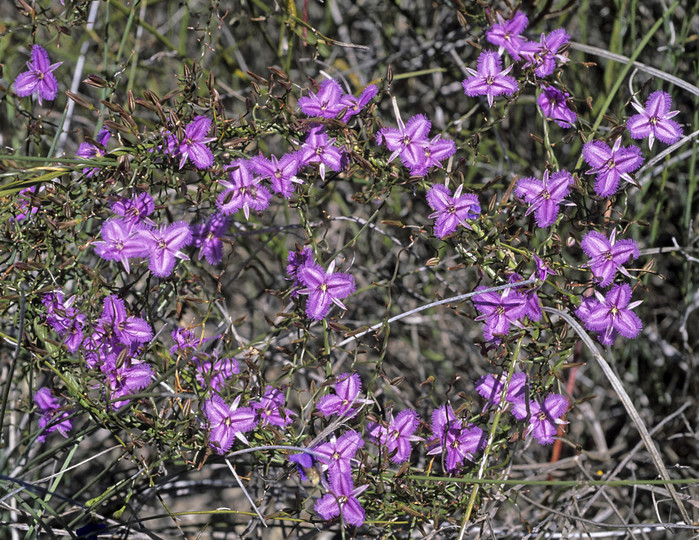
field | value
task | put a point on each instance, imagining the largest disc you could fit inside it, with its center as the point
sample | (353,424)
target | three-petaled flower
(499,311)
(611,315)
(347,388)
(450,212)
(193,144)
(164,245)
(654,121)
(607,254)
(397,435)
(490,79)
(39,78)
(611,164)
(243,191)
(545,195)
(544,418)
(324,288)
(226,423)
(507,35)
(554,105)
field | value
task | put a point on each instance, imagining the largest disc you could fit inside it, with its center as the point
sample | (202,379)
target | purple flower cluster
(330,101)
(112,345)
(133,235)
(491,80)
(454,439)
(544,417)
(410,142)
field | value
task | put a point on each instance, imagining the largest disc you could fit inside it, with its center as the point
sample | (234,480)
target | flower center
(545,195)
(490,80)
(607,255)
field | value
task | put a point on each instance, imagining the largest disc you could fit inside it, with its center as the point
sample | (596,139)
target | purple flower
(327,103)
(318,148)
(347,388)
(282,173)
(297,259)
(499,311)
(121,241)
(39,78)
(67,321)
(434,152)
(554,105)
(336,456)
(450,212)
(544,195)
(88,150)
(52,417)
(342,500)
(186,341)
(398,435)
(408,140)
(491,388)
(607,254)
(654,121)
(544,55)
(207,237)
(451,437)
(324,288)
(355,105)
(507,35)
(136,210)
(545,417)
(128,329)
(214,373)
(164,245)
(23,204)
(611,164)
(490,79)
(227,423)
(193,145)
(126,379)
(611,315)
(271,408)
(532,304)
(543,268)
(243,191)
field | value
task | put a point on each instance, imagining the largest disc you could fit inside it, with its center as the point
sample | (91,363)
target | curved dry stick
(628,405)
